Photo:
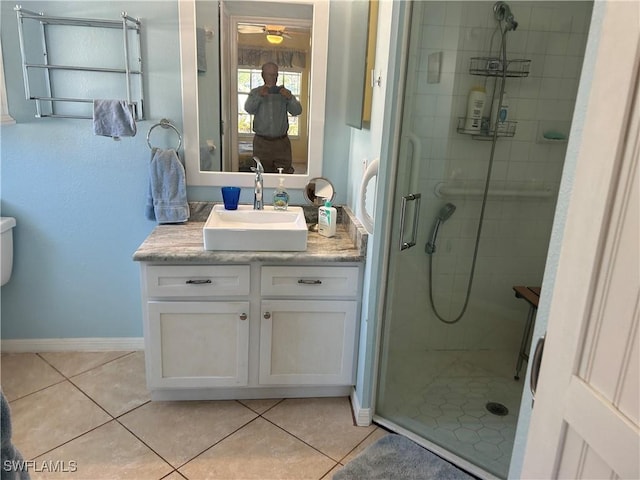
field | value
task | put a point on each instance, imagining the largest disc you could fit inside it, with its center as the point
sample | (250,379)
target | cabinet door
(197,344)
(307,342)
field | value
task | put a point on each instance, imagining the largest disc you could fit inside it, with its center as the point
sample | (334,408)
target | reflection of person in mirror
(269,105)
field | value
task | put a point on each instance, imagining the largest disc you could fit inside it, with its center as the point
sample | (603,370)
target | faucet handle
(258,168)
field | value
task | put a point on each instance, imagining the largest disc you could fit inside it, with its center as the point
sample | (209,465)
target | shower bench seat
(531,295)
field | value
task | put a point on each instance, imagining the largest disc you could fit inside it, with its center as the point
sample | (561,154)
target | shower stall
(472,215)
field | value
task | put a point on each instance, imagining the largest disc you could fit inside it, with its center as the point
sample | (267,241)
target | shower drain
(497,409)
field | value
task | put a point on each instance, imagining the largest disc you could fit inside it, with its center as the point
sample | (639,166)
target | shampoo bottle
(280,195)
(327,220)
(475,107)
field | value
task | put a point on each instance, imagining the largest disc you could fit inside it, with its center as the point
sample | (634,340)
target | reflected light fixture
(275,38)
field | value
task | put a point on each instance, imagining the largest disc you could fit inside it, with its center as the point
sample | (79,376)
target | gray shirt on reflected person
(270,112)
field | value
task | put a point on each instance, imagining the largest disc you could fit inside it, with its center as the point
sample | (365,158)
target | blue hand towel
(113,118)
(167,201)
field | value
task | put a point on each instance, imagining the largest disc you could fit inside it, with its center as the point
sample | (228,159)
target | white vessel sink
(246,229)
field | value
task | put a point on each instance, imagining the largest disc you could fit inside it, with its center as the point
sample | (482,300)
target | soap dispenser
(327,220)
(280,195)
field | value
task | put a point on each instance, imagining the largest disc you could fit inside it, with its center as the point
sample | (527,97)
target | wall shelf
(553,132)
(55,95)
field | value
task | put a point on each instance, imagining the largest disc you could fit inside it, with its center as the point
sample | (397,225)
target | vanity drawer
(310,281)
(197,280)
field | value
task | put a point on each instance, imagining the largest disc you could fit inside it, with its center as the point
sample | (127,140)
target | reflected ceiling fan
(275,34)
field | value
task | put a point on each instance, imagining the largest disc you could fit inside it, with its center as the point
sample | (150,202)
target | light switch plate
(434,64)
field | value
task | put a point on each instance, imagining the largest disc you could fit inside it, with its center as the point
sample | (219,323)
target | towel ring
(164,123)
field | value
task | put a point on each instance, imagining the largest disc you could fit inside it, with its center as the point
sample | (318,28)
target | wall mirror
(214,85)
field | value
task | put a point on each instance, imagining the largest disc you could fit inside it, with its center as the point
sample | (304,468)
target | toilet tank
(6,247)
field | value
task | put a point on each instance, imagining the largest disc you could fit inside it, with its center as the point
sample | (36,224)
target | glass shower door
(435,380)
(450,347)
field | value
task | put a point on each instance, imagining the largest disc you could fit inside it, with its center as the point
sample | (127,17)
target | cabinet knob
(304,281)
(267,315)
(243,316)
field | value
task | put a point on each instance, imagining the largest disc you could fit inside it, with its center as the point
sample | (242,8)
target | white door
(585,420)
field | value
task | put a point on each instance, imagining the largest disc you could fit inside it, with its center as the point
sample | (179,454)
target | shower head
(502,11)
(445,212)
(443,215)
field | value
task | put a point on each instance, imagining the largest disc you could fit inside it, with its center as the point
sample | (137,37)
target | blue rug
(395,457)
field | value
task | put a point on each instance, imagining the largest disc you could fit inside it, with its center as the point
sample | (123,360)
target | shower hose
(440,317)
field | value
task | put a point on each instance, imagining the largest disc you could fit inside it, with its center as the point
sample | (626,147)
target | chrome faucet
(258,204)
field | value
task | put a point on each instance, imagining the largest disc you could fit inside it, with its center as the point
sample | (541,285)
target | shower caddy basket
(492,67)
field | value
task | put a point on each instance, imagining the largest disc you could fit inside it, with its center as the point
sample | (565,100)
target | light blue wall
(377,140)
(79,199)
(336,132)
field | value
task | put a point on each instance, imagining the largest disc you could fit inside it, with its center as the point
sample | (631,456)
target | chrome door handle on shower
(414,230)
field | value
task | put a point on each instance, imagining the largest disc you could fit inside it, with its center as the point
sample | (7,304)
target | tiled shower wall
(516,229)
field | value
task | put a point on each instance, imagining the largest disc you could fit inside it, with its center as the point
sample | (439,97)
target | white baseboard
(224,393)
(363,416)
(36,345)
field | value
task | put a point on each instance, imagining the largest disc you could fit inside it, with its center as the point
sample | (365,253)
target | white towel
(113,118)
(167,201)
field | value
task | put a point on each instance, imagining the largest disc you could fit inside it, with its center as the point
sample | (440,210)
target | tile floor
(90,414)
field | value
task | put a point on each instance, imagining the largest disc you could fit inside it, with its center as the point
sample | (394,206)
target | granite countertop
(183,243)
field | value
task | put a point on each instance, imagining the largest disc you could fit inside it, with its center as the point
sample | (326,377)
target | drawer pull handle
(310,282)
(243,316)
(267,315)
(198,282)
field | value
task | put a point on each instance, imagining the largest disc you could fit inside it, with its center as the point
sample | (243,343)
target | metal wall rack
(492,67)
(128,89)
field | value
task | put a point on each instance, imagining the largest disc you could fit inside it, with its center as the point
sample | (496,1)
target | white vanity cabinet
(196,325)
(257,330)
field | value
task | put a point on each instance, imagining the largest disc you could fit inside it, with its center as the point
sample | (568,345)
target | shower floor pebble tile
(448,406)
(87,416)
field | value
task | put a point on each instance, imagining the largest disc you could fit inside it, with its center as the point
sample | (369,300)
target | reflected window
(250,78)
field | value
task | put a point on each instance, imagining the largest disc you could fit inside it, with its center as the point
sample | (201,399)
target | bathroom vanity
(232,324)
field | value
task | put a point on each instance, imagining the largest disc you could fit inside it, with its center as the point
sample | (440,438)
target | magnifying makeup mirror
(317,191)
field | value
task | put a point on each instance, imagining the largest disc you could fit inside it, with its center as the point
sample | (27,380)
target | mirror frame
(190,120)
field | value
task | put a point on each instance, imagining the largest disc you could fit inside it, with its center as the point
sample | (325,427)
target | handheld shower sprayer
(443,215)
(502,11)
